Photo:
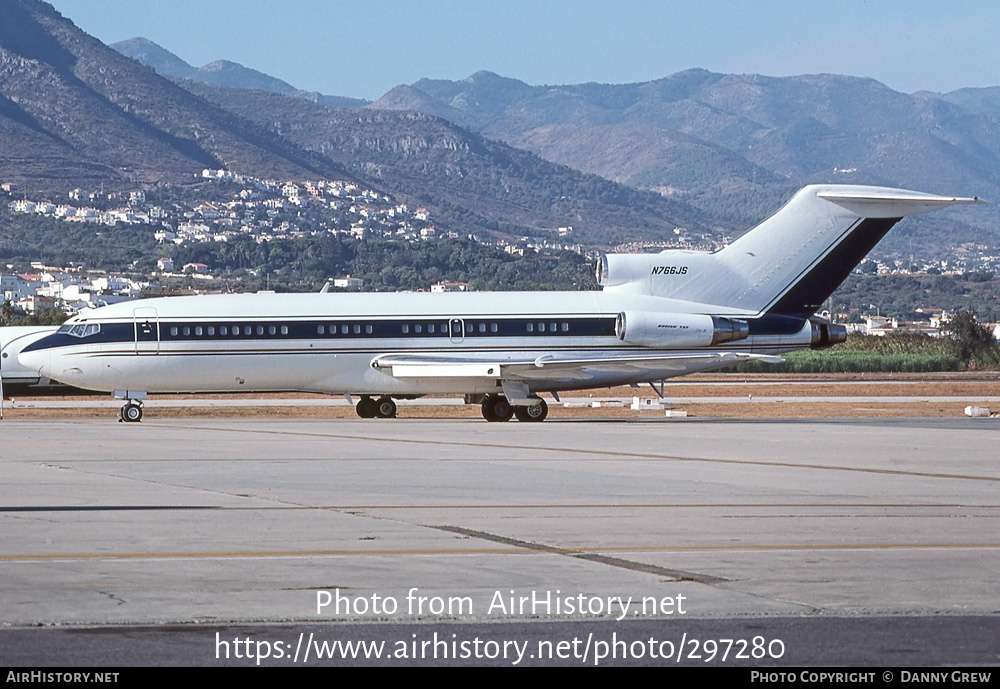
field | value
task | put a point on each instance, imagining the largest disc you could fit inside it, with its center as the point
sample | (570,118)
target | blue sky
(362,48)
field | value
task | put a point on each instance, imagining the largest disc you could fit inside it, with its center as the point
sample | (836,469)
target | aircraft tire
(367,408)
(487,408)
(385,408)
(497,408)
(535,413)
(131,413)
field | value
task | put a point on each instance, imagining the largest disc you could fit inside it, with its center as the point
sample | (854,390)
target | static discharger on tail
(657,316)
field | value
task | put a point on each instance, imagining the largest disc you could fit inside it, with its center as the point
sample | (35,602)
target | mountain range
(222,73)
(702,136)
(705,151)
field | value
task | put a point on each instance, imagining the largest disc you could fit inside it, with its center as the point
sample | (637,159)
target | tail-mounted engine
(826,334)
(676,330)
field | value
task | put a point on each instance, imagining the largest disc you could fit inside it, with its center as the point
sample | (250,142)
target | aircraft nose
(38,360)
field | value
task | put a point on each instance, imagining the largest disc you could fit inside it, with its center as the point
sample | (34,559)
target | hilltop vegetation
(899,296)
(388,266)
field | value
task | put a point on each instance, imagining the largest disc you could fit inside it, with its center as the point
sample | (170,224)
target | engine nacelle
(826,334)
(615,270)
(677,330)
(619,269)
(675,273)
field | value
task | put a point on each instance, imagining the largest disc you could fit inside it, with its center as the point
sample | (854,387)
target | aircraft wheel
(487,408)
(385,408)
(536,412)
(497,408)
(131,413)
(367,408)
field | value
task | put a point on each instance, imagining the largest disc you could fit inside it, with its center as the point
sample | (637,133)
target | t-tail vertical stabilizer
(789,264)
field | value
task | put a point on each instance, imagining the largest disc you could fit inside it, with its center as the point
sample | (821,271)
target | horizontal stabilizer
(877,202)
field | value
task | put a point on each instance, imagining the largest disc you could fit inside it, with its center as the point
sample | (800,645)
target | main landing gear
(382,408)
(497,408)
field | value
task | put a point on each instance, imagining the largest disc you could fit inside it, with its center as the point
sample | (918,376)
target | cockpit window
(80,329)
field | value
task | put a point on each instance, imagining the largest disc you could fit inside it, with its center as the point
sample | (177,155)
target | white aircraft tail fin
(787,265)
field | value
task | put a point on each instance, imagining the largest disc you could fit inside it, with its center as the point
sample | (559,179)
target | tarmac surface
(880,537)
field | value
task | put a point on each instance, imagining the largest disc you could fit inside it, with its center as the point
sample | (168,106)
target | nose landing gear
(131,412)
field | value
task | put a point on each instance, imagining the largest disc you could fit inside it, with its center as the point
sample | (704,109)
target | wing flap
(441,369)
(550,366)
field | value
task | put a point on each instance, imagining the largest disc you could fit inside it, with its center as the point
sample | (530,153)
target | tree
(972,340)
(43,317)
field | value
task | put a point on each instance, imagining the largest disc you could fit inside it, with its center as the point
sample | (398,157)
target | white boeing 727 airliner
(658,316)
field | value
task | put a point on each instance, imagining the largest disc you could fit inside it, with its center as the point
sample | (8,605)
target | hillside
(472,182)
(73,112)
(982,100)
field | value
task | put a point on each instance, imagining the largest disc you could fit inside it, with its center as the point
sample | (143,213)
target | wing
(551,366)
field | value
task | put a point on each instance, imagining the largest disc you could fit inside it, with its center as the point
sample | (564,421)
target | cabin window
(187,332)
(565,327)
(343,330)
(430,328)
(247,330)
(493,327)
(368,330)
(173,332)
(418,329)
(320,329)
(284,330)
(211,331)
(198,330)
(406,328)
(530,327)
(272,330)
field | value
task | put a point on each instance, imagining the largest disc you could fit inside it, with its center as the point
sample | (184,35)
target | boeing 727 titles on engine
(657,316)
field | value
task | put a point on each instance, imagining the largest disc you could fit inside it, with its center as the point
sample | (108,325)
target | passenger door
(456,330)
(147,330)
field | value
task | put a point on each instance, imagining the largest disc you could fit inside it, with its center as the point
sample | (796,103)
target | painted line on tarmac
(536,549)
